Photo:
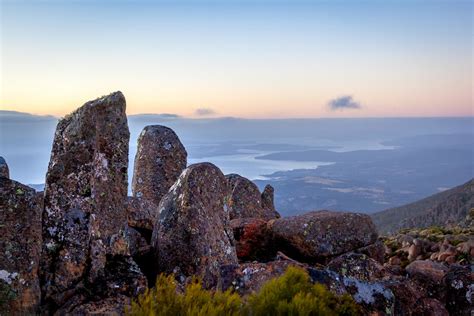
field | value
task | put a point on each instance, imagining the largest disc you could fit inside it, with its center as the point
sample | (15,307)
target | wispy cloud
(204,112)
(343,102)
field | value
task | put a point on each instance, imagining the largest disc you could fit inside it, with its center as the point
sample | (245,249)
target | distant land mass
(364,165)
(450,207)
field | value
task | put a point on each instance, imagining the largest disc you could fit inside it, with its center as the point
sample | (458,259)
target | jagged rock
(375,251)
(20,248)
(414,251)
(459,282)
(247,278)
(159,161)
(317,236)
(141,213)
(114,306)
(137,242)
(85,217)
(121,279)
(268,200)
(429,275)
(193,234)
(245,200)
(410,299)
(142,253)
(253,240)
(4,171)
(358,266)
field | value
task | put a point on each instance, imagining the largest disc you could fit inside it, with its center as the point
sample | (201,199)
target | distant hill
(446,208)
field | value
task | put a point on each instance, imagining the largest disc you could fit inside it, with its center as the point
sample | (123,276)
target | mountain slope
(448,207)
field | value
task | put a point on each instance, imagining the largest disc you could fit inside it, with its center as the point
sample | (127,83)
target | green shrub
(294,294)
(164,300)
(291,294)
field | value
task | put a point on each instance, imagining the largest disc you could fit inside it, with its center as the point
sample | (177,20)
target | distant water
(255,169)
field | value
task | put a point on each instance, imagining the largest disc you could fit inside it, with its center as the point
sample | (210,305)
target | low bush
(290,294)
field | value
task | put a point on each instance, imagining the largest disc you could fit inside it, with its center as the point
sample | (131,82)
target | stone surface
(193,234)
(459,283)
(141,213)
(20,248)
(245,200)
(317,236)
(85,218)
(429,275)
(247,278)
(268,200)
(159,161)
(375,251)
(4,171)
(253,240)
(358,266)
(120,280)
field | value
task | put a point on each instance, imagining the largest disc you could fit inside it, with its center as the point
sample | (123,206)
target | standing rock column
(193,235)
(4,172)
(159,161)
(245,200)
(84,219)
(20,248)
(268,200)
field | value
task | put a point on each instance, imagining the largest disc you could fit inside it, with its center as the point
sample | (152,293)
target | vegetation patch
(293,293)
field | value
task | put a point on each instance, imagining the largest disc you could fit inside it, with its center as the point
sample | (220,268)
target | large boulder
(459,283)
(245,199)
(85,216)
(320,235)
(358,266)
(247,278)
(20,246)
(4,171)
(429,275)
(193,235)
(159,161)
(253,240)
(142,213)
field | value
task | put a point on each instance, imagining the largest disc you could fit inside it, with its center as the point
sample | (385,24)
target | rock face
(159,161)
(268,196)
(193,235)
(141,213)
(4,171)
(253,240)
(317,236)
(85,218)
(459,290)
(429,275)
(20,246)
(245,200)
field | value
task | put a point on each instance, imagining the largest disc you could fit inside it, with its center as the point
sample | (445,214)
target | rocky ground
(83,247)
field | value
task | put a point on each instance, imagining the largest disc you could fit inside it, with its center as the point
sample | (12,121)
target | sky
(250,59)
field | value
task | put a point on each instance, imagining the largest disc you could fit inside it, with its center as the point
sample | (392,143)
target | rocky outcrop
(193,235)
(268,197)
(429,275)
(85,217)
(20,246)
(95,249)
(253,240)
(318,236)
(159,161)
(245,200)
(142,213)
(459,283)
(247,278)
(4,171)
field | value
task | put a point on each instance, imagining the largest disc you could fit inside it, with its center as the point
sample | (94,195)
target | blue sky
(246,58)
